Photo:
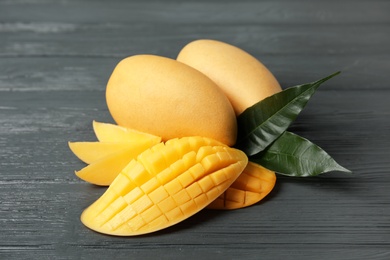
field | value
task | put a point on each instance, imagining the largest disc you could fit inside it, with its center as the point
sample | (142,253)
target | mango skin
(243,78)
(167,98)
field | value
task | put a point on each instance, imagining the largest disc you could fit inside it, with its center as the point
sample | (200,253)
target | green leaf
(260,124)
(293,155)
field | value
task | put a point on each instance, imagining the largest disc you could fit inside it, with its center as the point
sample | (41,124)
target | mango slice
(104,170)
(254,183)
(90,152)
(165,185)
(106,132)
(117,147)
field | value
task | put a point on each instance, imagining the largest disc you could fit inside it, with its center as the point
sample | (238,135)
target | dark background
(55,60)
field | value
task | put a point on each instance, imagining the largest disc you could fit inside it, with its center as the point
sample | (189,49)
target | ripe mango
(107,159)
(165,185)
(243,78)
(167,98)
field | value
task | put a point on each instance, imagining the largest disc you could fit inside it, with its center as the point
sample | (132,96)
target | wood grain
(56,57)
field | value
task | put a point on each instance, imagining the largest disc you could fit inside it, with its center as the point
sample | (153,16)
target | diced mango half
(106,132)
(104,170)
(254,183)
(165,185)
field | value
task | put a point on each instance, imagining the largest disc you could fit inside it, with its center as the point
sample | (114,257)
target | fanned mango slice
(90,152)
(106,132)
(254,183)
(165,185)
(104,170)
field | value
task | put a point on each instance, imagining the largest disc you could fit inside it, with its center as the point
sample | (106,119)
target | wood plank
(365,72)
(200,12)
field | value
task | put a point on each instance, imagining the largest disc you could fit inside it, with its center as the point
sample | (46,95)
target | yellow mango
(243,78)
(105,169)
(165,185)
(106,132)
(167,98)
(254,183)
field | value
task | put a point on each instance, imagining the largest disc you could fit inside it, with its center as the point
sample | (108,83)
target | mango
(243,78)
(167,98)
(107,160)
(165,185)
(254,183)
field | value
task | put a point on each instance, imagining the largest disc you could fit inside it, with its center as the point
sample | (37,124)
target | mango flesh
(165,185)
(167,98)
(103,171)
(253,184)
(106,158)
(243,78)
(106,132)
(90,152)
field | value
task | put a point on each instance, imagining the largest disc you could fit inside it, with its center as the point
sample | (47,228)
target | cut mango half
(165,185)
(254,183)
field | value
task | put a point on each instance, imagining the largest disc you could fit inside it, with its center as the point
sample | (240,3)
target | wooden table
(56,57)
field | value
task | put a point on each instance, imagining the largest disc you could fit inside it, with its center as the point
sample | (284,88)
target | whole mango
(164,97)
(243,78)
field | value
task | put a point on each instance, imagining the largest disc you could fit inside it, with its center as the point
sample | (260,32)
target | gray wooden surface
(56,57)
